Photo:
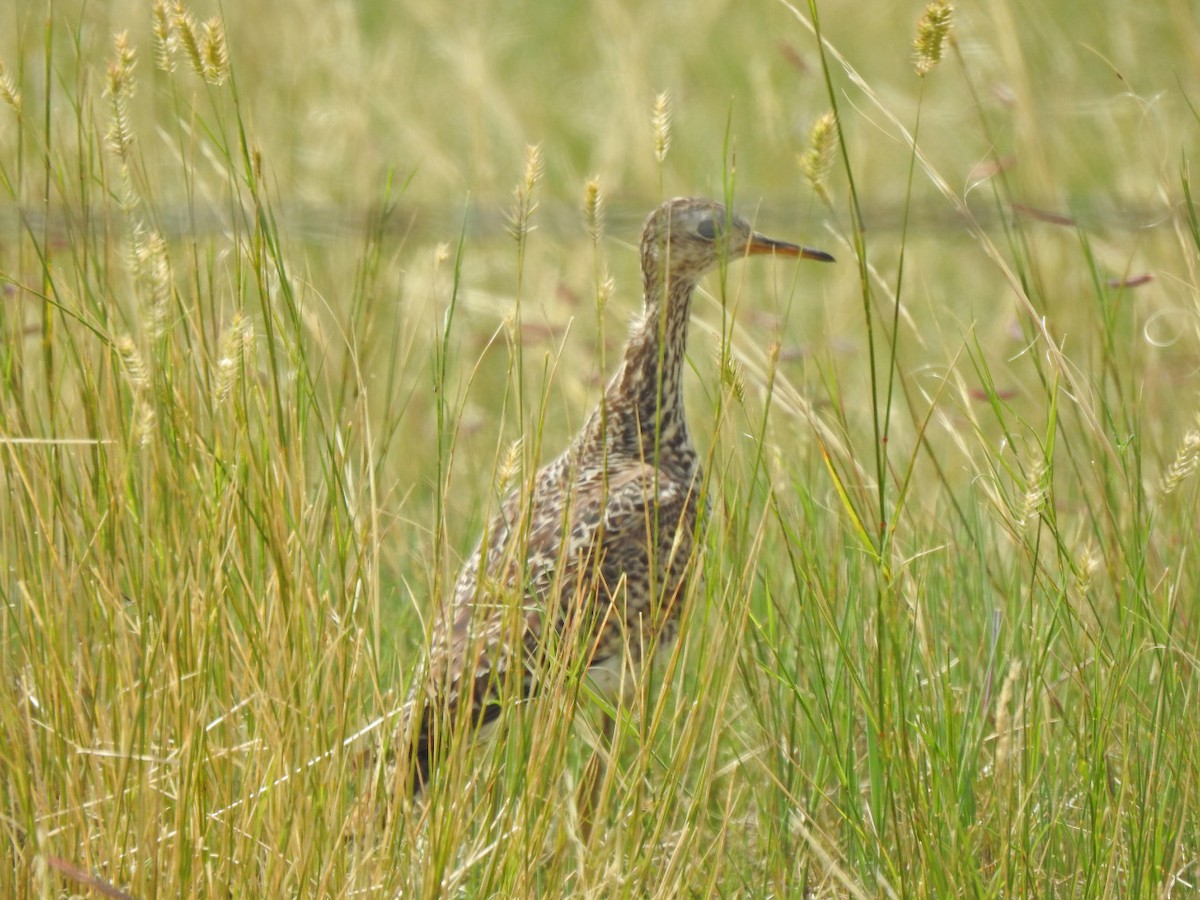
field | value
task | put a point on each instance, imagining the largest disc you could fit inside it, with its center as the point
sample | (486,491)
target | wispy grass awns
(268,355)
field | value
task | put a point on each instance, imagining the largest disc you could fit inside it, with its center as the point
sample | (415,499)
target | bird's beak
(760,244)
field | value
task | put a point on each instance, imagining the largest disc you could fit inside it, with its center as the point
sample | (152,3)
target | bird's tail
(420,762)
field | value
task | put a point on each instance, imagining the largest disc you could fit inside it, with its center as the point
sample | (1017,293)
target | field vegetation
(291,293)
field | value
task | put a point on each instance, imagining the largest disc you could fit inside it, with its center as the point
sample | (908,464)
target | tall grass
(270,356)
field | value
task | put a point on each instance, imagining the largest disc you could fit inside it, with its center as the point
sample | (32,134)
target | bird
(590,561)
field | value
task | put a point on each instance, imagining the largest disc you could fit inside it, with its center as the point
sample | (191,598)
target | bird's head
(692,236)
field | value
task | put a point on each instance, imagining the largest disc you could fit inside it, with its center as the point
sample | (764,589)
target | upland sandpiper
(592,559)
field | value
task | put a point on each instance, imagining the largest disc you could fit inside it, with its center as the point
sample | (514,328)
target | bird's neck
(642,414)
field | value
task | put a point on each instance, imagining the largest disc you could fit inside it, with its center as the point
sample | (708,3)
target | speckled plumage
(601,549)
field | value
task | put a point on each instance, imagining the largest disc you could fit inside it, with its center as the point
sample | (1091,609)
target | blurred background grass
(169,591)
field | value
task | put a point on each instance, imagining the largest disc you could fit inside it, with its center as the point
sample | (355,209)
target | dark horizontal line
(315,223)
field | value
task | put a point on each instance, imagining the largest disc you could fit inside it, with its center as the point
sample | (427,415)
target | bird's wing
(614,539)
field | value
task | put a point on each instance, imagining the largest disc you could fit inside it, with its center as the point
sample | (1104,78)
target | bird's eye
(708,229)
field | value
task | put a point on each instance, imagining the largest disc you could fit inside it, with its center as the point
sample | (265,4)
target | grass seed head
(662,125)
(534,166)
(127,196)
(510,467)
(1006,726)
(604,292)
(233,349)
(523,203)
(1086,567)
(166,41)
(214,52)
(119,88)
(932,31)
(1037,491)
(185,28)
(593,208)
(145,421)
(120,69)
(816,161)
(1187,458)
(732,377)
(133,364)
(8,90)
(153,269)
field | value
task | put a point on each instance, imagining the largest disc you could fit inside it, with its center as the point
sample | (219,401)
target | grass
(268,349)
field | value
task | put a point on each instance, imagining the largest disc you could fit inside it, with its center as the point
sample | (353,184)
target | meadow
(290,294)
